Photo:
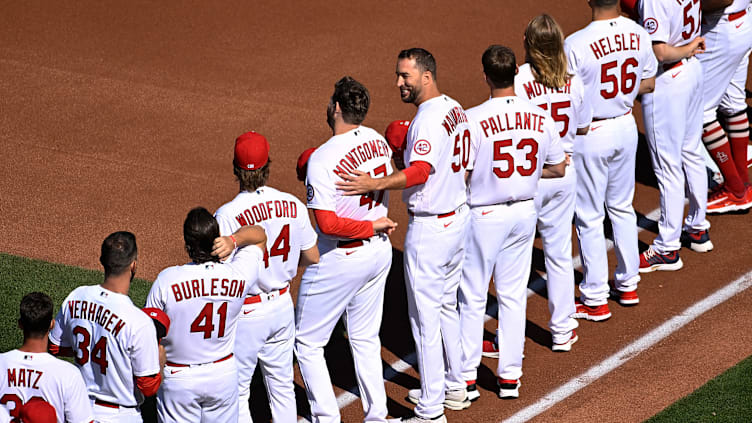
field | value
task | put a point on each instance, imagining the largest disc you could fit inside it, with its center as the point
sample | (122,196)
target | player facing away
(672,115)
(437,153)
(544,81)
(349,279)
(113,342)
(30,372)
(615,60)
(514,144)
(203,300)
(266,327)
(727,30)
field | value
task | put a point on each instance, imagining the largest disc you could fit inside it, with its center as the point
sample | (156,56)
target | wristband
(235,243)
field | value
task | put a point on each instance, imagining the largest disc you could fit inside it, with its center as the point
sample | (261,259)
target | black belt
(111,404)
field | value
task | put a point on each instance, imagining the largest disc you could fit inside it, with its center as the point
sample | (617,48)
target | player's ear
(516,69)
(52,325)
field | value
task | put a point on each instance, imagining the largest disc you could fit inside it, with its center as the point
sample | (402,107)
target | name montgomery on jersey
(361,154)
(97,313)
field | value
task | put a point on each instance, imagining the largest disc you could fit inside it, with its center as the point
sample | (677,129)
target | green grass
(19,276)
(727,398)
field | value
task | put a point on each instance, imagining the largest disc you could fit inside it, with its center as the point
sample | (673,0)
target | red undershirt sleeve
(149,385)
(416,173)
(59,351)
(342,227)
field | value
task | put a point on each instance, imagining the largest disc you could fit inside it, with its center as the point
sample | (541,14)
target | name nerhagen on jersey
(361,148)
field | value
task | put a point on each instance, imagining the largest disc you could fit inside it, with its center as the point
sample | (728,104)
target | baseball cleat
(724,201)
(566,346)
(508,388)
(597,313)
(697,241)
(490,349)
(472,391)
(651,260)
(455,399)
(625,298)
(417,419)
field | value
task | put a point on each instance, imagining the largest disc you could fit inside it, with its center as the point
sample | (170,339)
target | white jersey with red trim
(612,57)
(736,6)
(439,135)
(512,140)
(203,302)
(566,104)
(360,149)
(288,231)
(674,22)
(30,375)
(113,341)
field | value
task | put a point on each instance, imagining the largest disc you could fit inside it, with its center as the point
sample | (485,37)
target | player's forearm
(396,180)
(554,171)
(331,224)
(250,235)
(668,54)
(309,257)
(647,86)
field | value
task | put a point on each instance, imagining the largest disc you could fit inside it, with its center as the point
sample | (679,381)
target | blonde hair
(544,48)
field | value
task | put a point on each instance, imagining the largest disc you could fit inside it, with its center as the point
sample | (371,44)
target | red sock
(715,141)
(738,134)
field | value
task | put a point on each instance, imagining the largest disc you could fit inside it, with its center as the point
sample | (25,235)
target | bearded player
(113,342)
(266,327)
(437,153)
(203,300)
(29,372)
(356,255)
(615,60)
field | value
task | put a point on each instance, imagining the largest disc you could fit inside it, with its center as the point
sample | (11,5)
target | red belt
(350,244)
(737,15)
(440,216)
(171,364)
(668,66)
(111,404)
(257,298)
(595,119)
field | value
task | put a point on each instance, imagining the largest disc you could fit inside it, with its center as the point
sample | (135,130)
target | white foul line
(630,351)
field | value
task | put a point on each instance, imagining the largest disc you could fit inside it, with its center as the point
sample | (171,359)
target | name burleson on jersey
(615,44)
(361,154)
(199,288)
(495,124)
(24,378)
(265,211)
(96,313)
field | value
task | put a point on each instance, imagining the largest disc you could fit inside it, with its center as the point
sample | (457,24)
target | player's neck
(120,284)
(34,345)
(428,93)
(340,127)
(502,92)
(602,14)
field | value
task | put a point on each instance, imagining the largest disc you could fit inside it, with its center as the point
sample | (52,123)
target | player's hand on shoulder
(356,183)
(223,247)
(384,225)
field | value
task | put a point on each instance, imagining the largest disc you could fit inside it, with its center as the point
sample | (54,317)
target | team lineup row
(555,143)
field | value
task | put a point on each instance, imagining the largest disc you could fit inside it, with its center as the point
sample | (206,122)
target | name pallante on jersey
(267,210)
(361,154)
(522,121)
(604,47)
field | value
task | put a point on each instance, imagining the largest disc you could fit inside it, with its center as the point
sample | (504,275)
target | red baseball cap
(302,165)
(396,134)
(37,410)
(161,318)
(251,151)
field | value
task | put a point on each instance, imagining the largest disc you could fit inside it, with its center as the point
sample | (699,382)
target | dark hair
(353,99)
(118,252)
(499,65)
(423,59)
(605,3)
(199,231)
(250,179)
(35,314)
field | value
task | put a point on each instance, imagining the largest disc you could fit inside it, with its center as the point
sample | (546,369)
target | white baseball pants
(734,100)
(555,205)
(347,283)
(203,393)
(106,414)
(434,250)
(605,163)
(265,336)
(672,115)
(499,244)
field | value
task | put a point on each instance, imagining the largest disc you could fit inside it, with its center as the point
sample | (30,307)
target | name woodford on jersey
(267,210)
(97,313)
(361,154)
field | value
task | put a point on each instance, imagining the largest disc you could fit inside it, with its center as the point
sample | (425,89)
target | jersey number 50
(461,151)
(501,156)
(628,78)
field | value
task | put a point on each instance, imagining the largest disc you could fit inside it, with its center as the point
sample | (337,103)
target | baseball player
(672,115)
(356,255)
(203,300)
(515,143)
(114,343)
(30,372)
(614,58)
(438,153)
(727,31)
(544,81)
(266,327)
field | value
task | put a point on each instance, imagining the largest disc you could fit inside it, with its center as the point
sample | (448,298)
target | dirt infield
(123,116)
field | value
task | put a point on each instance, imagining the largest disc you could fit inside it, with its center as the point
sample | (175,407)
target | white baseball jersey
(114,341)
(612,57)
(736,6)
(566,104)
(288,231)
(203,302)
(513,138)
(361,148)
(674,22)
(41,375)
(439,135)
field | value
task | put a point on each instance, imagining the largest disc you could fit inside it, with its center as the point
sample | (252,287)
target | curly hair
(353,99)
(544,47)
